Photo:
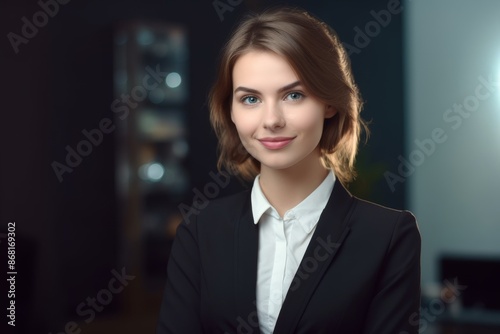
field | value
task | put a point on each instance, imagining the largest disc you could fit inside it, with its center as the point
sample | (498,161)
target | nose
(273,116)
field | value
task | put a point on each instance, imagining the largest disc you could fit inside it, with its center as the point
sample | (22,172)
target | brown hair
(316,54)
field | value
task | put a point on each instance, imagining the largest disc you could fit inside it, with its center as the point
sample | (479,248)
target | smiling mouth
(276,143)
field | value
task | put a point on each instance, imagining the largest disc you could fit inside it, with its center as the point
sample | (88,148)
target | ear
(231,113)
(330,111)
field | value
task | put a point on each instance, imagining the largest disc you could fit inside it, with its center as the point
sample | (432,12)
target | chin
(278,165)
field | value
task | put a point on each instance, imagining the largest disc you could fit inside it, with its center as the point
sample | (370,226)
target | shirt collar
(306,212)
(260,204)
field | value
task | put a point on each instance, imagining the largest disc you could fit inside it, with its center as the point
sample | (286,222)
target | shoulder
(215,211)
(230,206)
(235,200)
(363,212)
(370,209)
(382,221)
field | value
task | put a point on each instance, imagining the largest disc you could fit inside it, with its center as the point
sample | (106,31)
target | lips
(275,143)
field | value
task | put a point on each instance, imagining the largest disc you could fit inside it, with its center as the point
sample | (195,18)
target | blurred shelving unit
(151,93)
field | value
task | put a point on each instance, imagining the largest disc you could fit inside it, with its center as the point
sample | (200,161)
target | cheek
(244,122)
(242,127)
(309,122)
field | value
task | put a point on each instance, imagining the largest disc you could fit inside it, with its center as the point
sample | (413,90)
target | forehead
(262,70)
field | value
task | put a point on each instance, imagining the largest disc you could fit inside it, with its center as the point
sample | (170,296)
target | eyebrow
(254,91)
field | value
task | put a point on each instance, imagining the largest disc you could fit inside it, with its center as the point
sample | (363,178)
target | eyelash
(302,95)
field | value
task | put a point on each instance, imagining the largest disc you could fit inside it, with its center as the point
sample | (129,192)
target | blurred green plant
(369,173)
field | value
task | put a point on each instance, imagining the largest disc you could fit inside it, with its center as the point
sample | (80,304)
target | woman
(296,253)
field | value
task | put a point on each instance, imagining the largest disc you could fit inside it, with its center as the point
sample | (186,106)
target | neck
(285,188)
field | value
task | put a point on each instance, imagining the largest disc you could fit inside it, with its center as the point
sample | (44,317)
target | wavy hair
(314,51)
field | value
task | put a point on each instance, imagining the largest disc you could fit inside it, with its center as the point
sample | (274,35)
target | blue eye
(294,96)
(249,100)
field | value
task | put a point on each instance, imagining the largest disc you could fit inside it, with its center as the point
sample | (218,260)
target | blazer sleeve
(180,308)
(395,307)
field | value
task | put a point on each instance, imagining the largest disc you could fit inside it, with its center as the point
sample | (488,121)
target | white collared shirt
(282,244)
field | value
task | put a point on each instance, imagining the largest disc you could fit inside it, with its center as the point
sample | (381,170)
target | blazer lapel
(246,250)
(332,229)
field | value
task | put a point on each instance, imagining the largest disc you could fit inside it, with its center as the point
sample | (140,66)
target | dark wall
(60,83)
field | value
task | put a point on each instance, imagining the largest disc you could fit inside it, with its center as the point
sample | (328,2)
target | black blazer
(360,272)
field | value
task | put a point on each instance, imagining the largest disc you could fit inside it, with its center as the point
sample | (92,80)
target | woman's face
(278,122)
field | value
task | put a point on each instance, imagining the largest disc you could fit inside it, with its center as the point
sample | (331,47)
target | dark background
(68,233)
